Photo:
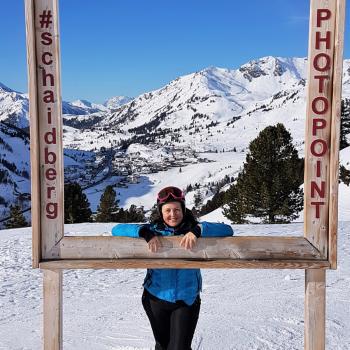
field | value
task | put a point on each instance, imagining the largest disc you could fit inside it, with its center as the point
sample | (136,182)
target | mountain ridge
(212,110)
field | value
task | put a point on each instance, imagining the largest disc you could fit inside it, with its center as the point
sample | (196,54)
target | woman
(171,297)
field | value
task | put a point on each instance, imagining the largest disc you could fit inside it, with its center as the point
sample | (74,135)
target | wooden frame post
(52,310)
(34,134)
(46,148)
(318,123)
(315,309)
(335,132)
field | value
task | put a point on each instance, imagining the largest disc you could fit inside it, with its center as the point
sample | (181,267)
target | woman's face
(172,213)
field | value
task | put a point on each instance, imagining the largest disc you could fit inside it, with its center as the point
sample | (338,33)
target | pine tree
(344,175)
(344,123)
(154,213)
(17,218)
(212,204)
(76,205)
(121,216)
(198,199)
(189,188)
(134,214)
(233,209)
(269,185)
(108,209)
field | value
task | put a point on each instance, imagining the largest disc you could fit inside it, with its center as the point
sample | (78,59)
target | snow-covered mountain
(116,102)
(82,107)
(213,109)
(178,125)
(82,114)
(14,107)
(220,93)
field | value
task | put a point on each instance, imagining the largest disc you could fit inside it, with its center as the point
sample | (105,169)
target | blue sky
(115,47)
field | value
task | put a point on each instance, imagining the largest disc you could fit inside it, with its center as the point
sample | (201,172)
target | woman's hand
(188,241)
(154,244)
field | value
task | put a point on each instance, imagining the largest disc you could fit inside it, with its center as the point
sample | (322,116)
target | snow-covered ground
(241,309)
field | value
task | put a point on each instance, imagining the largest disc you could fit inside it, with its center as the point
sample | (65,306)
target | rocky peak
(279,68)
(117,101)
(273,66)
(251,70)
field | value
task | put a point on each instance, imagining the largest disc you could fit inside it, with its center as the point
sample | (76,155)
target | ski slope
(241,309)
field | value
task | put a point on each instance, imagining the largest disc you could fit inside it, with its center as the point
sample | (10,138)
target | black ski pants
(173,324)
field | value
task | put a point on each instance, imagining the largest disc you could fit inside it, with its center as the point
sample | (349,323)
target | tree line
(77,207)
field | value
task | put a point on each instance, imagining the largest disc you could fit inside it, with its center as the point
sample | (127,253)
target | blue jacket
(174,284)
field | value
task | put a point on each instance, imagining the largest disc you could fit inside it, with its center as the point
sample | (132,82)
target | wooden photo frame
(315,252)
(316,249)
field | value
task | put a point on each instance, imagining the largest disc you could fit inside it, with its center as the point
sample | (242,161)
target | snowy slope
(14,169)
(241,309)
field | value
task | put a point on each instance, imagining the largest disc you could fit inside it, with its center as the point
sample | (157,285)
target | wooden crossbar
(247,247)
(66,264)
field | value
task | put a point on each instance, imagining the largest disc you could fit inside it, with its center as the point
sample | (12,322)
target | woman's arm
(126,230)
(215,229)
(196,230)
(146,233)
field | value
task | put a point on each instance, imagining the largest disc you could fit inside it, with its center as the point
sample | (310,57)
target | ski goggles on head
(171,191)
